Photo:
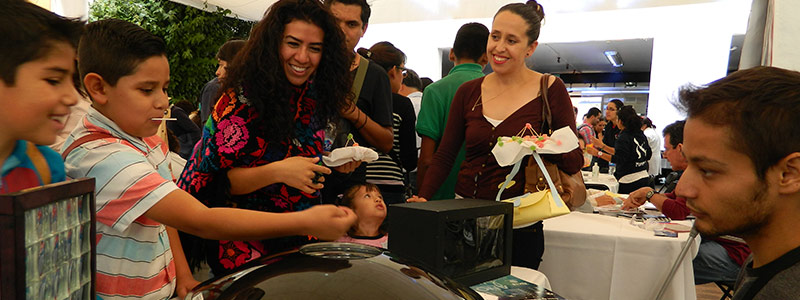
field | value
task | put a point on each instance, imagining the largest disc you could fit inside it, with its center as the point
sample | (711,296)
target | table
(604,179)
(591,256)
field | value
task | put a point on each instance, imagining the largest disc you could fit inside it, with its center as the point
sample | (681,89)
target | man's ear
(484,60)
(96,87)
(365,29)
(789,167)
(452,55)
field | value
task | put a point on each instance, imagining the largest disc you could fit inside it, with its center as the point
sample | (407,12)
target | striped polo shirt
(132,174)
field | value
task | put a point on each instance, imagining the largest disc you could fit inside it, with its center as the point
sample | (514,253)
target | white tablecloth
(590,256)
(604,179)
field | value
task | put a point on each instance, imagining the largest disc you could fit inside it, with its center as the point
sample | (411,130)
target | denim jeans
(713,264)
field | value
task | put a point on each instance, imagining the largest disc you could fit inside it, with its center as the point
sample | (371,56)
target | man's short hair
(365,10)
(675,131)
(471,41)
(758,106)
(593,112)
(28,32)
(425,82)
(229,50)
(114,48)
(411,79)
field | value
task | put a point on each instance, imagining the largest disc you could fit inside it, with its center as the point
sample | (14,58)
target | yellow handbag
(533,207)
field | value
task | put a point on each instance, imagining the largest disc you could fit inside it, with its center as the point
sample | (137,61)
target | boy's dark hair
(471,41)
(114,48)
(28,32)
(186,106)
(411,79)
(258,68)
(385,54)
(365,10)
(628,117)
(758,107)
(593,112)
(675,131)
(228,50)
(533,14)
(425,82)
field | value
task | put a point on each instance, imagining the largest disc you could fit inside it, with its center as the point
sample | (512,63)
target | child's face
(369,204)
(35,107)
(139,97)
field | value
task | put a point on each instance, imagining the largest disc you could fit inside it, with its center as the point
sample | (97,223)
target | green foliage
(193,37)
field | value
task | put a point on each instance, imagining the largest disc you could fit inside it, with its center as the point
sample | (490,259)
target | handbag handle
(547,117)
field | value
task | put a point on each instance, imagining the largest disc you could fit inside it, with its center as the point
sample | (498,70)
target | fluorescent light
(614,58)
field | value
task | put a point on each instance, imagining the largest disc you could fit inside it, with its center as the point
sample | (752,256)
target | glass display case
(47,242)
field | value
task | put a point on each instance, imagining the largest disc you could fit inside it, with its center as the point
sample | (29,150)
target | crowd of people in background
(253,183)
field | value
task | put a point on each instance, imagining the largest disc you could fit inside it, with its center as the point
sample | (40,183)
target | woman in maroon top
(500,104)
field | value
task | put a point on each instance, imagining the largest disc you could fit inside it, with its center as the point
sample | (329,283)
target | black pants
(528,246)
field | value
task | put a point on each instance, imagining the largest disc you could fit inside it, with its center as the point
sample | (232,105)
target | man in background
(469,56)
(743,147)
(370,119)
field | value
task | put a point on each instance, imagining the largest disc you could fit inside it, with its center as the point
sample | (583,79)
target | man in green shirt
(469,55)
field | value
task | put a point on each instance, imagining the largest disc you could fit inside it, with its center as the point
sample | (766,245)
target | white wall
(690,42)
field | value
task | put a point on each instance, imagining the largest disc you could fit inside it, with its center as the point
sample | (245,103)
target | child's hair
(347,200)
(114,48)
(28,32)
(229,50)
(385,54)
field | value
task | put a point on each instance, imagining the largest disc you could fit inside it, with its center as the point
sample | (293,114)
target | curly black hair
(259,69)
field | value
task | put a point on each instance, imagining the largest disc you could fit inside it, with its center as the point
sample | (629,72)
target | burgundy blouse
(480,176)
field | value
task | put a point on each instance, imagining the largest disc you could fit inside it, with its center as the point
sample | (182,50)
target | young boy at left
(37,60)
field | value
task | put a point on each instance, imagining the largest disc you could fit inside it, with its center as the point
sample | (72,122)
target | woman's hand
(598,143)
(592,150)
(348,167)
(301,173)
(416,198)
(328,222)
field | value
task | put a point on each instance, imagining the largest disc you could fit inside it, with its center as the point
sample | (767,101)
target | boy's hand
(185,284)
(301,173)
(329,222)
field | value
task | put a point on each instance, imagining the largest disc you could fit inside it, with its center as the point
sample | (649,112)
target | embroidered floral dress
(233,138)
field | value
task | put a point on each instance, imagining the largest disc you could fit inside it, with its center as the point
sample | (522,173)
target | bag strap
(515,169)
(358,81)
(85,139)
(547,117)
(39,163)
(510,176)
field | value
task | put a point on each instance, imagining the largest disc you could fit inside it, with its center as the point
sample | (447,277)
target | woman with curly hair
(262,147)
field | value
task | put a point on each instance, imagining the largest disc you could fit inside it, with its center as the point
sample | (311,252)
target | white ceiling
(393,11)
(577,31)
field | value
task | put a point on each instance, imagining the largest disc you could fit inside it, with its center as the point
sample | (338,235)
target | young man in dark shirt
(743,176)
(370,119)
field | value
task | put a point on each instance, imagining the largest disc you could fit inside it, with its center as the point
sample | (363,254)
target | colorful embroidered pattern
(234,137)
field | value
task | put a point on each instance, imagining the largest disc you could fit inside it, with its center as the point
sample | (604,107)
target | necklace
(480,100)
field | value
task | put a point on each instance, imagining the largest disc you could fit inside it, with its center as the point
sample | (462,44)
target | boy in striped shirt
(126,73)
